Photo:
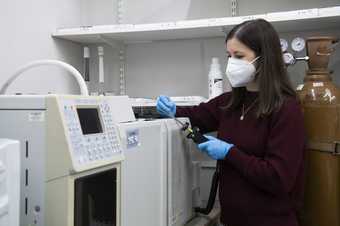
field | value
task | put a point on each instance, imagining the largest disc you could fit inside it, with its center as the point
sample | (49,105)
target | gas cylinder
(320,100)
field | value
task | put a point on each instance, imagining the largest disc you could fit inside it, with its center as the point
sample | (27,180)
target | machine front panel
(180,175)
(91,130)
(144,194)
(30,131)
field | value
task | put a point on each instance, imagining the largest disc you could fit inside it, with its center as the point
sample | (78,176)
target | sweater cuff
(179,112)
(237,159)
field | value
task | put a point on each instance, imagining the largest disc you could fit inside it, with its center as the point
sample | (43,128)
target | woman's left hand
(215,148)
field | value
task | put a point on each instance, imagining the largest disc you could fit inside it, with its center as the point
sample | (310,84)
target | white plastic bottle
(215,78)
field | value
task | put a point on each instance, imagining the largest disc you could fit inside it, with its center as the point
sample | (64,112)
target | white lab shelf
(289,21)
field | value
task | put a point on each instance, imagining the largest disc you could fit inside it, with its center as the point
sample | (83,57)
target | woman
(260,135)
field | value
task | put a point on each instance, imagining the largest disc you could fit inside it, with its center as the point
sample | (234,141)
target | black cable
(212,194)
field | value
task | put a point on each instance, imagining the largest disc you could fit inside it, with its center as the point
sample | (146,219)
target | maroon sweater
(261,182)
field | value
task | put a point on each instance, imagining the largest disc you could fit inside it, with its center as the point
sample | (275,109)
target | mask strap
(254,59)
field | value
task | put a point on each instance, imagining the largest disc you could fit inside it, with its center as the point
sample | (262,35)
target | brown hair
(274,84)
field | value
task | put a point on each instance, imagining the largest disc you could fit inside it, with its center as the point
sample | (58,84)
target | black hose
(212,194)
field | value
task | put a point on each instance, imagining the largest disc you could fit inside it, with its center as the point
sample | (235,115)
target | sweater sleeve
(277,171)
(206,115)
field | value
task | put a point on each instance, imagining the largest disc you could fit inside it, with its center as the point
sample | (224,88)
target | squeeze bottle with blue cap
(215,79)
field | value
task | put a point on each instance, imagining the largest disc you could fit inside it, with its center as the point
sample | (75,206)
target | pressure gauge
(298,44)
(288,58)
(284,44)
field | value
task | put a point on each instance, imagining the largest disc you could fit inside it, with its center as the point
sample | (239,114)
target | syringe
(192,133)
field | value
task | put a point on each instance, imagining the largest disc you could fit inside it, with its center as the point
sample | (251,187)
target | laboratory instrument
(290,59)
(158,180)
(9,182)
(298,44)
(284,45)
(70,157)
(194,134)
(71,160)
(146,107)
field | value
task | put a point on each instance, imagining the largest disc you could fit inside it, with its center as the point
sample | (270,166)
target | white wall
(26,36)
(170,10)
(98,12)
(248,7)
(175,68)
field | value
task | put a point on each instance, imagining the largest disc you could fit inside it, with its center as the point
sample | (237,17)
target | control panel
(91,130)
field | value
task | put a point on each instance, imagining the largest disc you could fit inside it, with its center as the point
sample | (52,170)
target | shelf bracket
(122,87)
(224,30)
(233,8)
(120,11)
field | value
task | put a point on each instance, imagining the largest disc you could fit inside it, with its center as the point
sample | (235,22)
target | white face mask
(240,72)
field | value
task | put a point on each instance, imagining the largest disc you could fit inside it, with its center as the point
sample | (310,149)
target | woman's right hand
(165,106)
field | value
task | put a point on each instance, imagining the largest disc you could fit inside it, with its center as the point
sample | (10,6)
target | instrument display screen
(89,120)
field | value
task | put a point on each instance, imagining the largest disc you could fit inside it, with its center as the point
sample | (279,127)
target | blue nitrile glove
(165,106)
(215,148)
